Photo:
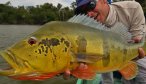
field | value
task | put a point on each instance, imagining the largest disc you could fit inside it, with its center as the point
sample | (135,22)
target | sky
(37,2)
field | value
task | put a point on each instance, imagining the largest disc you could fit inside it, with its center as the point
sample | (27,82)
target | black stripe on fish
(125,51)
(106,50)
(82,44)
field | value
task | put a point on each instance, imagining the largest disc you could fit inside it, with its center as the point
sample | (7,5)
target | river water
(9,34)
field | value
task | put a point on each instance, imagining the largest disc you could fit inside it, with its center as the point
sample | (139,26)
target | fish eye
(32,40)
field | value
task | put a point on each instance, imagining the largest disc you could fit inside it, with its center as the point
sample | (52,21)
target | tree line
(143,4)
(39,14)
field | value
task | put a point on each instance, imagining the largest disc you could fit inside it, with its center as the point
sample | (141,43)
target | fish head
(41,53)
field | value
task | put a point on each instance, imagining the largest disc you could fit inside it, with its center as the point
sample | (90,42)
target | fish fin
(88,58)
(87,72)
(33,76)
(87,21)
(117,28)
(129,70)
(122,30)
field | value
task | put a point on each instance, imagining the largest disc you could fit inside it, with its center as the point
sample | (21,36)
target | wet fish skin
(57,46)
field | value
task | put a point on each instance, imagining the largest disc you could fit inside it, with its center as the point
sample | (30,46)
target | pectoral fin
(129,70)
(88,72)
(88,58)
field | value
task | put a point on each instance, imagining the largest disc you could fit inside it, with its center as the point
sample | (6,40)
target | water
(9,34)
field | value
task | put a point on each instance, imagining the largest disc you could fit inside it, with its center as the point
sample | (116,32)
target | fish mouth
(5,63)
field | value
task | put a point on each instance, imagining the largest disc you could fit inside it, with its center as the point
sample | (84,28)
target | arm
(137,28)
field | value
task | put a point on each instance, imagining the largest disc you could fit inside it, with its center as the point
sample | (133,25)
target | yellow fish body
(58,46)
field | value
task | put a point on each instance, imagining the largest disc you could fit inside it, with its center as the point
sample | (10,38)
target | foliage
(143,4)
(39,14)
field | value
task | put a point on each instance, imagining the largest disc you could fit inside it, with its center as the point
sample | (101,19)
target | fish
(59,46)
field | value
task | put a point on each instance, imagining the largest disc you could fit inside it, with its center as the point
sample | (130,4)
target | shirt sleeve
(138,28)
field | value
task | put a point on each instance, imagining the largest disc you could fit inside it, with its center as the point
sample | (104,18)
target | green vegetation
(143,4)
(39,14)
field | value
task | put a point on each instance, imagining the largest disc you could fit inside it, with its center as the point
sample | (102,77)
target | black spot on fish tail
(54,42)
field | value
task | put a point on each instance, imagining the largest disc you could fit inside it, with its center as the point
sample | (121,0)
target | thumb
(141,53)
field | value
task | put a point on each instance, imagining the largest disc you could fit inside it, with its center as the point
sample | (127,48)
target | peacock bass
(58,46)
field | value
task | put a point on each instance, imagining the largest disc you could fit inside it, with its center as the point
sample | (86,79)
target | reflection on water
(9,34)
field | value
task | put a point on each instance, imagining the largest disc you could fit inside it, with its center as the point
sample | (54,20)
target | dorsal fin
(118,28)
(88,21)
(122,30)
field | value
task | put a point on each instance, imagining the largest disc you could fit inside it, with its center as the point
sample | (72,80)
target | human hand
(66,74)
(141,54)
(135,39)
